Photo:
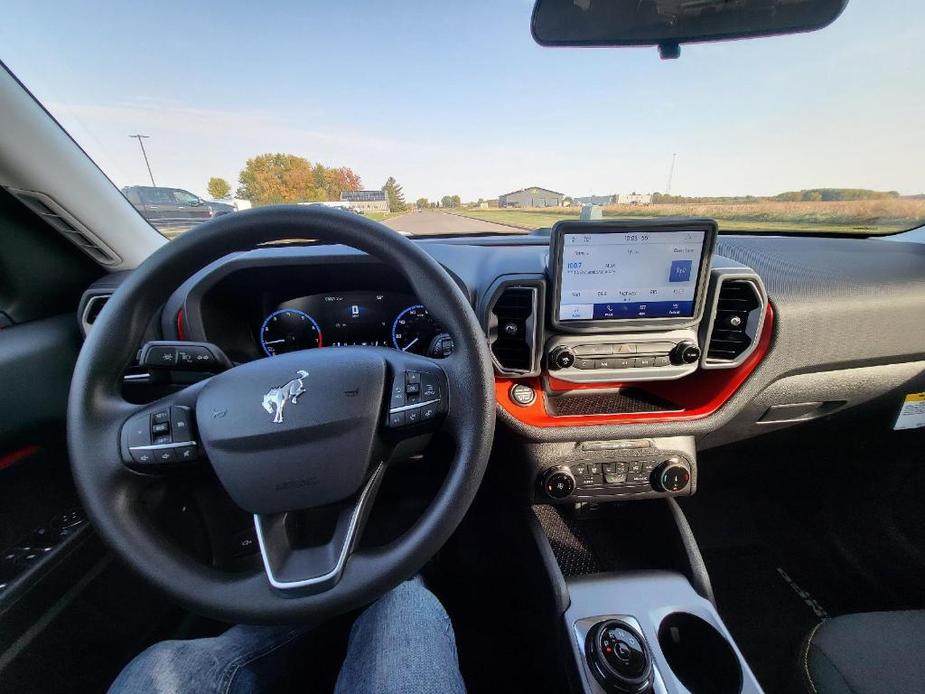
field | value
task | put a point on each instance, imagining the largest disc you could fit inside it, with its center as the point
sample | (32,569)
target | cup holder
(699,655)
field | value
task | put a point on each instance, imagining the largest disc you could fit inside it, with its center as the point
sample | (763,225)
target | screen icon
(680,271)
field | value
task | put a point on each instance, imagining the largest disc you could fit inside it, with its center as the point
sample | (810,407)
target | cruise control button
(429,387)
(412,377)
(160,428)
(160,417)
(162,439)
(398,395)
(413,388)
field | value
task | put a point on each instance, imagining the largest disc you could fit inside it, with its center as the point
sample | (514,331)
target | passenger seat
(872,652)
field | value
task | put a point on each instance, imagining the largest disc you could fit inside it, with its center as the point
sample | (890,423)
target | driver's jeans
(402,643)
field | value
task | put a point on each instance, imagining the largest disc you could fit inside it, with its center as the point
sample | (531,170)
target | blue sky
(455,98)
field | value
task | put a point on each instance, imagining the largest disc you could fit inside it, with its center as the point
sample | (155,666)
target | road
(430,222)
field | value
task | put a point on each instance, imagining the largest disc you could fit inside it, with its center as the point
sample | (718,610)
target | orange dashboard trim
(698,395)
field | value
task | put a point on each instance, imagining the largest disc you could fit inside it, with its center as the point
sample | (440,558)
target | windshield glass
(447,118)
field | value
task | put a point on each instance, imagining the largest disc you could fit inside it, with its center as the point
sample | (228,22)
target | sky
(457,99)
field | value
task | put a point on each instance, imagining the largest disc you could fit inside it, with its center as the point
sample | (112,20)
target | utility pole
(145,155)
(670,174)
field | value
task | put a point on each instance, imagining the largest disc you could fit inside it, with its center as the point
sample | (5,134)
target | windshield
(446,118)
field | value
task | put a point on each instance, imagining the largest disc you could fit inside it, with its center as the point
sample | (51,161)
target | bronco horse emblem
(277,397)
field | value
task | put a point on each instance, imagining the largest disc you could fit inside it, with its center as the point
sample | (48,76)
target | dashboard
(782,329)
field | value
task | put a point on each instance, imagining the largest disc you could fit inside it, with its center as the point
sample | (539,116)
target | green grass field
(862,217)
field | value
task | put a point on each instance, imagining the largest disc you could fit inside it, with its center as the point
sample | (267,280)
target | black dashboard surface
(841,306)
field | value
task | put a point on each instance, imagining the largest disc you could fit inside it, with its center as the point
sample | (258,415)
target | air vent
(92,309)
(512,329)
(735,322)
(55,215)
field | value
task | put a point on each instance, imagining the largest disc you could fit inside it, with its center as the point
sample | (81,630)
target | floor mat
(766,611)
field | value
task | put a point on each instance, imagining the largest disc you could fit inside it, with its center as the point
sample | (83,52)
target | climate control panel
(636,468)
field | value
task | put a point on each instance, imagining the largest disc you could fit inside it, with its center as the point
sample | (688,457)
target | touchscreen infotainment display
(632,274)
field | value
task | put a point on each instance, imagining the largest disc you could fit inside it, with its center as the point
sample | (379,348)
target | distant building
(595,200)
(633,199)
(366,200)
(531,197)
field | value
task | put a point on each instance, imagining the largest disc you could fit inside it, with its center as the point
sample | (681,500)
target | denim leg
(404,643)
(242,660)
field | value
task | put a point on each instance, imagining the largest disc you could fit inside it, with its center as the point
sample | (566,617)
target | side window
(133,196)
(156,196)
(183,197)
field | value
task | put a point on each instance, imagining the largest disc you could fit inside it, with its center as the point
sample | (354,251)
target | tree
(219,188)
(421,203)
(395,195)
(450,201)
(277,178)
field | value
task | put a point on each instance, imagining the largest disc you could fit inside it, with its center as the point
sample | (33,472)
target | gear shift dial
(619,658)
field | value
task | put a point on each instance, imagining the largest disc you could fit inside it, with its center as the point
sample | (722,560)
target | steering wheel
(297,431)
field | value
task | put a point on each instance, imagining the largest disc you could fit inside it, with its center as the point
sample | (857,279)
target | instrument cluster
(355,318)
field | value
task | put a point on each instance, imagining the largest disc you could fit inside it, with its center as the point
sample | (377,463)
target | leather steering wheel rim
(97,412)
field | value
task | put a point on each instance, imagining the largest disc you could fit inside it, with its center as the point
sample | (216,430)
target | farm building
(531,197)
(633,198)
(366,200)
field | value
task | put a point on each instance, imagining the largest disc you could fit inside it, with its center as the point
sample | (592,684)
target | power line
(145,155)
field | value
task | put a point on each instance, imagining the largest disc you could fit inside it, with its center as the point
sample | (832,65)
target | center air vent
(512,329)
(735,322)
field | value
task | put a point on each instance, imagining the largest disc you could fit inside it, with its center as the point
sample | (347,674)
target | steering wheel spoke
(162,437)
(316,568)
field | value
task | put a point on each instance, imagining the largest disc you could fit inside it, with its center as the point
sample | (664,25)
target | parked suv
(173,207)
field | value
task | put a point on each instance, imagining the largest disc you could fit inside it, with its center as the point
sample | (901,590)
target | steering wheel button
(161,417)
(143,457)
(413,388)
(412,377)
(165,455)
(397,419)
(413,416)
(187,452)
(181,423)
(162,439)
(428,412)
(163,428)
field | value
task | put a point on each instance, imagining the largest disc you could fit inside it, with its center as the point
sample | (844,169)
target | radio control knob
(685,352)
(673,475)
(561,358)
(558,482)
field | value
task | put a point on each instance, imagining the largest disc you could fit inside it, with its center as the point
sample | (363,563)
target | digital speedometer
(288,330)
(414,330)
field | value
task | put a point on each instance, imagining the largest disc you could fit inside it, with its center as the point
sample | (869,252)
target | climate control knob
(685,352)
(558,483)
(673,475)
(561,358)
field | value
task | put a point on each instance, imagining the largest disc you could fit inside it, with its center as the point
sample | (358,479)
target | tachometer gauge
(288,330)
(413,330)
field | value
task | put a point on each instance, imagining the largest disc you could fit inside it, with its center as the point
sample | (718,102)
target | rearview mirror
(669,23)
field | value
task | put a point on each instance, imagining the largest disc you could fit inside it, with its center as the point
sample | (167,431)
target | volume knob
(561,358)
